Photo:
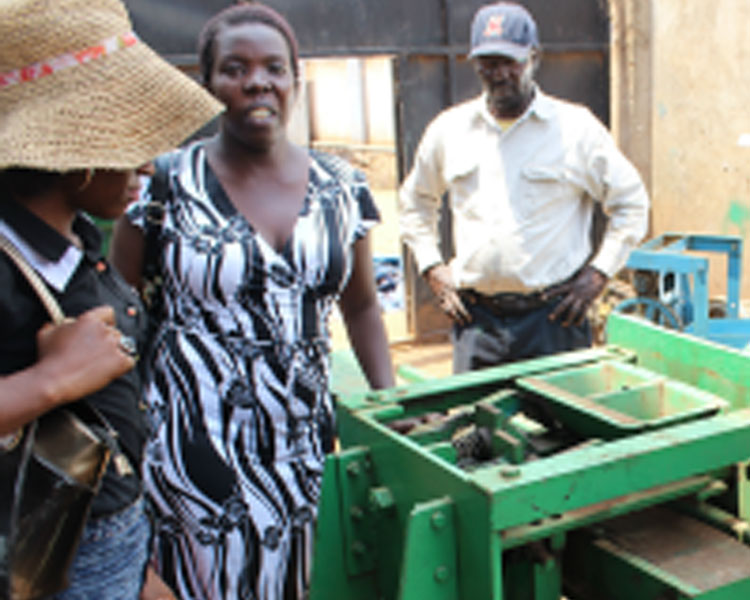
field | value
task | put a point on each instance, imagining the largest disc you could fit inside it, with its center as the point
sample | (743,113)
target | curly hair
(244,12)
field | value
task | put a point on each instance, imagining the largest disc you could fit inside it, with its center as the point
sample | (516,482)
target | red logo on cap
(494,26)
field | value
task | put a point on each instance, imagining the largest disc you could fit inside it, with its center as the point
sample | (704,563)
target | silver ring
(10,440)
(128,345)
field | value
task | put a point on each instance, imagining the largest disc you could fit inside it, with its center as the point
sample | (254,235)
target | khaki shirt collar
(540,108)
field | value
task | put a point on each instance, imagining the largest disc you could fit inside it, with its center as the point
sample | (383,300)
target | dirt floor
(434,360)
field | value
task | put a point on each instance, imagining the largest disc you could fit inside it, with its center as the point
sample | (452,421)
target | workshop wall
(681,110)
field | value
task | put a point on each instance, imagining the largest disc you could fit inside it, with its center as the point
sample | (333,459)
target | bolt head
(510,472)
(358,548)
(438,520)
(381,498)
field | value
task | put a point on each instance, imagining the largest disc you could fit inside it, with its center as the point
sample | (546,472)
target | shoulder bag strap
(107,433)
(8,442)
(46,297)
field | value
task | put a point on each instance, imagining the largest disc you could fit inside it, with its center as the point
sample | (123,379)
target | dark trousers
(493,337)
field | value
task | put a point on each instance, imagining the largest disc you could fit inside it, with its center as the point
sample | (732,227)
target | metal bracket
(428,569)
(356,480)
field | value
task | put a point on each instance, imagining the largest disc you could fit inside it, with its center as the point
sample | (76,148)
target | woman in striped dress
(260,239)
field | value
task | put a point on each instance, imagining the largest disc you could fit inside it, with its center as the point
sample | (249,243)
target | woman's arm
(76,358)
(126,251)
(364,324)
(154,587)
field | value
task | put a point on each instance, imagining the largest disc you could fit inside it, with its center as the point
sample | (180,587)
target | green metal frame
(399,520)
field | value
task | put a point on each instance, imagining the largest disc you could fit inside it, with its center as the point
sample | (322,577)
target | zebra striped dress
(237,381)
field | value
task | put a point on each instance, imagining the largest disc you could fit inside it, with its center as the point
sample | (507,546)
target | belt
(505,303)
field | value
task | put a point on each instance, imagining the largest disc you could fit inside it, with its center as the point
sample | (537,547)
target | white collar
(56,274)
(540,107)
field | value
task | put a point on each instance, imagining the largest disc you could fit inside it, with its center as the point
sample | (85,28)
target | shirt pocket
(546,187)
(130,315)
(462,177)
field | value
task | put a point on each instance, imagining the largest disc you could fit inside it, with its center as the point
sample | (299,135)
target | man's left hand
(578,294)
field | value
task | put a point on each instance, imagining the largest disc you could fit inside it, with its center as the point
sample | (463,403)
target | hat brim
(118,111)
(501,48)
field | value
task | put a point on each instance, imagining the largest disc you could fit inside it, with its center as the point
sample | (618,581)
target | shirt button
(101,266)
(131,311)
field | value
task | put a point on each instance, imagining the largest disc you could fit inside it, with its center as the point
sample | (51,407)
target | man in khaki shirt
(523,171)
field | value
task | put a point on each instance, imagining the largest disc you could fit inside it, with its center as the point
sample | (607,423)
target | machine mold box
(611,399)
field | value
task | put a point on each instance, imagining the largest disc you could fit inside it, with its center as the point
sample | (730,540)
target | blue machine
(672,286)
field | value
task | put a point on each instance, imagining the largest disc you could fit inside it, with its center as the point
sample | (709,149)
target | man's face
(509,84)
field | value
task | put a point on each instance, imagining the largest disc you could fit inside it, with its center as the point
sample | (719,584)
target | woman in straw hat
(83,103)
(260,239)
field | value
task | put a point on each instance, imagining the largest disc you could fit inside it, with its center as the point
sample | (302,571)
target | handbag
(61,458)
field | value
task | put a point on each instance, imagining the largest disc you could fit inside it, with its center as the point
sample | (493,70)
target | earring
(88,175)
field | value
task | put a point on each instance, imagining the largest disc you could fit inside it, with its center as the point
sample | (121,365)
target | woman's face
(252,75)
(109,192)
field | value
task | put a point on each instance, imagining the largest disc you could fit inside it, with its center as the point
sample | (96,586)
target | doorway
(347,108)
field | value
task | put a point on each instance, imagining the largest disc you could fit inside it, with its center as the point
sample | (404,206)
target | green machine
(613,473)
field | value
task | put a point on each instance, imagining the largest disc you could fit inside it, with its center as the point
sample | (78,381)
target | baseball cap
(503,28)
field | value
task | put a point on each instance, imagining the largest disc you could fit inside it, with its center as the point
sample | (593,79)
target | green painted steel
(331,549)
(598,567)
(355,482)
(608,471)
(601,568)
(709,366)
(429,562)
(486,485)
(541,529)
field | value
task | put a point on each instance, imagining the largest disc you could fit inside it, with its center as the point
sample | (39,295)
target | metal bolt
(510,472)
(356,513)
(358,548)
(437,520)
(442,574)
(381,498)
(352,469)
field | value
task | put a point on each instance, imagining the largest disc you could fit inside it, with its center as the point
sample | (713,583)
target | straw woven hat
(79,90)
